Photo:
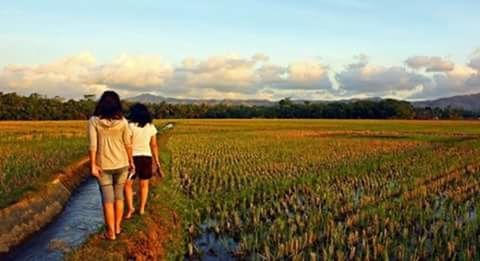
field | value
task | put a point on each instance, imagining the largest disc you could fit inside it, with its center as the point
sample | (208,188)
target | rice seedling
(311,190)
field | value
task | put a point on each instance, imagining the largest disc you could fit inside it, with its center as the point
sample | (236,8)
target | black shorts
(143,167)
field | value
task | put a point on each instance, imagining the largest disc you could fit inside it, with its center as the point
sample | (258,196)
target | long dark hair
(109,106)
(140,114)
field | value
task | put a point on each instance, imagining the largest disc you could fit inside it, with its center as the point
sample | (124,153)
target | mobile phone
(131,173)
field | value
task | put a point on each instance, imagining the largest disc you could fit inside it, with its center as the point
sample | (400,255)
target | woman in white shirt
(145,150)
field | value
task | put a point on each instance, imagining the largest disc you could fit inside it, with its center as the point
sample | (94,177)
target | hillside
(149,98)
(466,102)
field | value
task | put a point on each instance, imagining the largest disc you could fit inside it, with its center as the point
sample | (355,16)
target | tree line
(38,107)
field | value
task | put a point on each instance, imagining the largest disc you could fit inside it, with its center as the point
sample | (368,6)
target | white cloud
(234,76)
(77,75)
(260,57)
(232,73)
(306,71)
(460,80)
(132,73)
(63,77)
(370,80)
(228,75)
(429,63)
(298,76)
(473,73)
(440,78)
(222,73)
(475,60)
(271,74)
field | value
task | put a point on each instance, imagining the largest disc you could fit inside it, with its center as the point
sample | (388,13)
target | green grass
(164,199)
(29,157)
(289,179)
(246,169)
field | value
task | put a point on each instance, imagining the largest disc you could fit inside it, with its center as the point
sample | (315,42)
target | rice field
(31,152)
(295,189)
(314,189)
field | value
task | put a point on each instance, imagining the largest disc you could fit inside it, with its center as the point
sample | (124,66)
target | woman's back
(108,138)
(141,137)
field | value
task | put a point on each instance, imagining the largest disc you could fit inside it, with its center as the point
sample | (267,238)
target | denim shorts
(112,183)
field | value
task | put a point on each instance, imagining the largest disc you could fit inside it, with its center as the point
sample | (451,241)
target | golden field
(294,189)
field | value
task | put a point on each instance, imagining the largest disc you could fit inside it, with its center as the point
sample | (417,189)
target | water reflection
(81,217)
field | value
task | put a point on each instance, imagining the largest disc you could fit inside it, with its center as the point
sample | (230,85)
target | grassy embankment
(158,235)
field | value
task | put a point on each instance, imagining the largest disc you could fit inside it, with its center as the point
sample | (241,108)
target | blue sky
(330,33)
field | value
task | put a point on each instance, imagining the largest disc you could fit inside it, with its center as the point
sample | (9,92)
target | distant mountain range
(150,98)
(466,102)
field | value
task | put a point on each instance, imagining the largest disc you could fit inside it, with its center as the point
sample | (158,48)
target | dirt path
(158,235)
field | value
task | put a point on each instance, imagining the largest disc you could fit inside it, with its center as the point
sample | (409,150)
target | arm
(130,157)
(92,137)
(95,169)
(127,140)
(154,149)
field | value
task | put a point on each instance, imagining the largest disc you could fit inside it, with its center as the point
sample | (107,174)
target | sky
(262,49)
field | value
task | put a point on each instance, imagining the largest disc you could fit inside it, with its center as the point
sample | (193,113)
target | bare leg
(118,215)
(129,198)
(143,195)
(109,214)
